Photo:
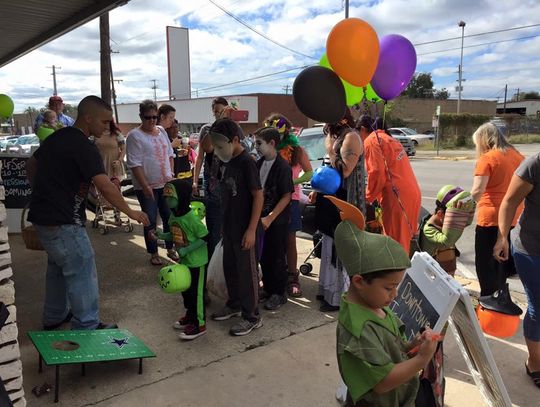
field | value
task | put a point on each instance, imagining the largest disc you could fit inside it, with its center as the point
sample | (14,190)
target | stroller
(306,268)
(106,214)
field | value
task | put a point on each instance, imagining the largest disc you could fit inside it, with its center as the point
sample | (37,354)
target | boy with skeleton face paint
(241,205)
(276,179)
(188,234)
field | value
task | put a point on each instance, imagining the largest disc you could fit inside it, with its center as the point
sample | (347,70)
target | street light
(460,71)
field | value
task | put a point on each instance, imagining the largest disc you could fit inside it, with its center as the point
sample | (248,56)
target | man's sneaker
(181,323)
(103,325)
(244,327)
(192,331)
(59,324)
(275,301)
(226,313)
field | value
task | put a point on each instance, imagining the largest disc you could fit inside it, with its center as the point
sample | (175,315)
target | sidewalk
(470,153)
(290,361)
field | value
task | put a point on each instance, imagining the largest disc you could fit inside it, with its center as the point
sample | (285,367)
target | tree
(32,112)
(420,87)
(70,110)
(442,94)
(531,95)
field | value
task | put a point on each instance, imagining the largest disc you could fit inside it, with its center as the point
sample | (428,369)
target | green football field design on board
(65,347)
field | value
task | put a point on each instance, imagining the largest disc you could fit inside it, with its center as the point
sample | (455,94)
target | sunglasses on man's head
(150,117)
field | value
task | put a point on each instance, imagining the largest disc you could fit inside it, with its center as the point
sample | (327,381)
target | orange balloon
(352,48)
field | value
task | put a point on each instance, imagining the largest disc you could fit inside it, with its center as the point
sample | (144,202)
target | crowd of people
(252,192)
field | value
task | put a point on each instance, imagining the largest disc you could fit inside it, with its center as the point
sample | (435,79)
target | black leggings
(491,274)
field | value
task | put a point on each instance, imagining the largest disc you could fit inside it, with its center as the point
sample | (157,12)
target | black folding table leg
(40,369)
(140,365)
(57,383)
(83,369)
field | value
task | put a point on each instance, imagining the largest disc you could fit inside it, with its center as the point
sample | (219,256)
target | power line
(477,35)
(481,45)
(258,32)
(241,81)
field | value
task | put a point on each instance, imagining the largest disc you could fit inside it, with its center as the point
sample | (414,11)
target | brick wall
(10,364)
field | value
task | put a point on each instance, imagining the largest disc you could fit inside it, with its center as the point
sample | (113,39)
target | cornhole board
(57,348)
(428,296)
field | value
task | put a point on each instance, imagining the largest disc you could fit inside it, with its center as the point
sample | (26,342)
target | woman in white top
(150,157)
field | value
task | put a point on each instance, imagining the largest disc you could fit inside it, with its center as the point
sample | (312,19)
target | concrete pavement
(290,361)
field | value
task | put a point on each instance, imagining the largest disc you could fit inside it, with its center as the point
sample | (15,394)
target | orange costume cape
(382,179)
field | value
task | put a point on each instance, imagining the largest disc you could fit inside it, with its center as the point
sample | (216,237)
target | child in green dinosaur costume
(188,234)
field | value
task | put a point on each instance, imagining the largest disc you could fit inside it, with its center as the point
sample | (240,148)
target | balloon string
(384,113)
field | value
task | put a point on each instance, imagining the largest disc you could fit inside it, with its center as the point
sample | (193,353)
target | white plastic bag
(215,281)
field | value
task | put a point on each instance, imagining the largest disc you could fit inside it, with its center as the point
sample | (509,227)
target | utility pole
(105,57)
(114,96)
(154,87)
(504,106)
(286,88)
(346,8)
(517,95)
(462,25)
(54,68)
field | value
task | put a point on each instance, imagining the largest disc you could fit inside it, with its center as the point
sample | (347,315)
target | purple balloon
(397,63)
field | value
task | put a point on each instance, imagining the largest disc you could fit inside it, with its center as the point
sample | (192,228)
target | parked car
(25,144)
(412,135)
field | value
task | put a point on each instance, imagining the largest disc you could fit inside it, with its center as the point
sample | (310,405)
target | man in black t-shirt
(241,205)
(60,173)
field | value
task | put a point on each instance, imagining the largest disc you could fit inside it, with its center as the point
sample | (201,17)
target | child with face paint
(188,234)
(241,205)
(277,183)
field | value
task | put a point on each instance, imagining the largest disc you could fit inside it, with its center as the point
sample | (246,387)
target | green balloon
(6,106)
(354,94)
(175,278)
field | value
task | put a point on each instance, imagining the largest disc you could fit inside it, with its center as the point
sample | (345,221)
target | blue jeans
(71,279)
(151,208)
(528,268)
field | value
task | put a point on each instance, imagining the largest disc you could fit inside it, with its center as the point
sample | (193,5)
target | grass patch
(524,138)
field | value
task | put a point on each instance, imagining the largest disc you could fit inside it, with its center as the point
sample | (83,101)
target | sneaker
(192,331)
(244,327)
(275,301)
(59,324)
(226,313)
(263,296)
(181,323)
(103,325)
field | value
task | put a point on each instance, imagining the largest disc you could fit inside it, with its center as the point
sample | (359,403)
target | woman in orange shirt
(497,162)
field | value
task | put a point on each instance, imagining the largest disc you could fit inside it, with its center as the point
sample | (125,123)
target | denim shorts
(295,222)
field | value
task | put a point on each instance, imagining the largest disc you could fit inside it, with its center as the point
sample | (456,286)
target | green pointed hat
(362,252)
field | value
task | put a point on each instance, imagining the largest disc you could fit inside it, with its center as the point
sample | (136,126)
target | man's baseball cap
(54,99)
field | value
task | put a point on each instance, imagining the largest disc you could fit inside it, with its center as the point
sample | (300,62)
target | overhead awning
(28,24)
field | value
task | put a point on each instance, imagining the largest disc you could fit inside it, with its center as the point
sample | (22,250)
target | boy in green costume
(188,233)
(372,350)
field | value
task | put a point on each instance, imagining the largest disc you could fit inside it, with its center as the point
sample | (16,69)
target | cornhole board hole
(57,348)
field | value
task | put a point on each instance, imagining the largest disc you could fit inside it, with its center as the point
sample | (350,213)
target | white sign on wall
(178,63)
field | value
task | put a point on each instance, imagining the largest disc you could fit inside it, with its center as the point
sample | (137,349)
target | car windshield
(312,140)
(408,131)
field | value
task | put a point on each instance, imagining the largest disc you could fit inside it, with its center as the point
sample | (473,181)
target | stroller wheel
(128,228)
(103,230)
(306,269)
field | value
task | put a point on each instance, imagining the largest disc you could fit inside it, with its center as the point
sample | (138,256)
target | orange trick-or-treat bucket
(496,323)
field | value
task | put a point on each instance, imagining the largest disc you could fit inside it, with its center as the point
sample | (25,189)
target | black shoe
(319,297)
(59,324)
(325,307)
(275,301)
(107,326)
